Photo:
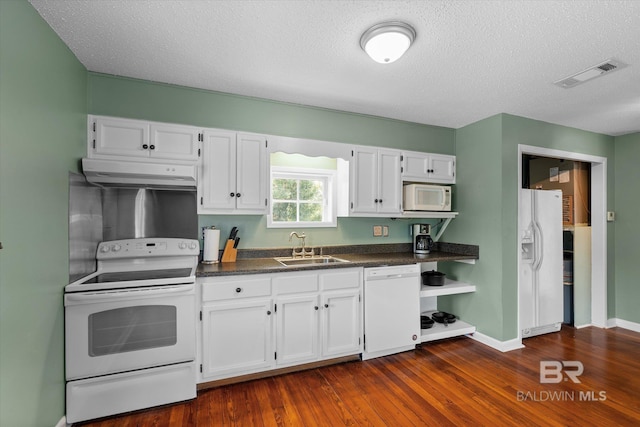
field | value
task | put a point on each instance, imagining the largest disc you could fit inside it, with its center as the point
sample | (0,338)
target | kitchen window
(302,197)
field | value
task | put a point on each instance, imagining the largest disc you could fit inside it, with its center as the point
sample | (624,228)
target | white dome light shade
(388,41)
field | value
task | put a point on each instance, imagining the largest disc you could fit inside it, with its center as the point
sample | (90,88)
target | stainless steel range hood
(114,172)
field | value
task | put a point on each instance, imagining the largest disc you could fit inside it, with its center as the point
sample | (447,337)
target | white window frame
(330,178)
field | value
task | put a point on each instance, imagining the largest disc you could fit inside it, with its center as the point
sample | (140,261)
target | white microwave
(423,197)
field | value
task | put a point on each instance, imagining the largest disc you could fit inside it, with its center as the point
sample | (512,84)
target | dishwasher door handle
(390,276)
(394,276)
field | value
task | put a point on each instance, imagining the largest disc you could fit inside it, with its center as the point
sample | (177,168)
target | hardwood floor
(453,382)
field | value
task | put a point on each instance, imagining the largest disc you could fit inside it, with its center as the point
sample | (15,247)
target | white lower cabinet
(237,326)
(237,337)
(297,329)
(260,322)
(341,325)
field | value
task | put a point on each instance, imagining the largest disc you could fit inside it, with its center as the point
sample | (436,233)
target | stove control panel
(148,247)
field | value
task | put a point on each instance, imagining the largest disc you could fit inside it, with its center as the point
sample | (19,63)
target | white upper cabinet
(233,167)
(251,173)
(424,167)
(376,186)
(174,141)
(127,139)
(233,175)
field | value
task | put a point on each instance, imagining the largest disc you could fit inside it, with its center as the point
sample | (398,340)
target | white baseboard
(586,325)
(625,324)
(62,422)
(502,346)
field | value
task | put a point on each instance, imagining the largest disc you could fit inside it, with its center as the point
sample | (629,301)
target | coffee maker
(422,241)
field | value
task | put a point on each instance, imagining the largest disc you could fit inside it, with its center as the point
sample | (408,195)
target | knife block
(229,254)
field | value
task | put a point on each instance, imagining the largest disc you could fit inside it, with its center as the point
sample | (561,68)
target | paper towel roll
(211,245)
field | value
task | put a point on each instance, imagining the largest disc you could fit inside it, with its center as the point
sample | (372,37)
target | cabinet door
(364,181)
(389,181)
(120,137)
(297,329)
(442,169)
(173,142)
(217,172)
(340,323)
(251,173)
(415,166)
(424,167)
(236,338)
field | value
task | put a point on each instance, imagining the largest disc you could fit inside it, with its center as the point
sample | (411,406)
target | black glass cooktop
(128,276)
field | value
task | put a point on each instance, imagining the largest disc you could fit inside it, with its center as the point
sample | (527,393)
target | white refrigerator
(540,276)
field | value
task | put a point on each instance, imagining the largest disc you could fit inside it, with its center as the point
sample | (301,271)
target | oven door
(122,330)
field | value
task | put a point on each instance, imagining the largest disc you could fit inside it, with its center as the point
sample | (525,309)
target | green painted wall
(627,196)
(487,158)
(123,97)
(42,134)
(478,154)
(518,130)
(350,231)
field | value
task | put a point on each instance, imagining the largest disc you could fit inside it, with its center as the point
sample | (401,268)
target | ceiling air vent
(590,73)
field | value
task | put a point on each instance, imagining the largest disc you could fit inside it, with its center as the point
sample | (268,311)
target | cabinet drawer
(340,279)
(229,289)
(294,283)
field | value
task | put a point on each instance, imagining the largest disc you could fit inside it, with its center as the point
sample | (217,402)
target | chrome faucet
(295,233)
(302,252)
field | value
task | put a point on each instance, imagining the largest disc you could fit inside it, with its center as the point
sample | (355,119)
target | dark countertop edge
(455,248)
(269,265)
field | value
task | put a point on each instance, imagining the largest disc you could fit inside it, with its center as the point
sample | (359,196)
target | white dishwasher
(391,309)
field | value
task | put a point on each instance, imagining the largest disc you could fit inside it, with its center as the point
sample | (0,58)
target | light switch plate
(611,216)
(377,230)
(385,231)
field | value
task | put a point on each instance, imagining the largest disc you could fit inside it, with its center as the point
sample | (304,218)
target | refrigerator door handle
(538,245)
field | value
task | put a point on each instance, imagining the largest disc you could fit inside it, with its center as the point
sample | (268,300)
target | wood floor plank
(447,383)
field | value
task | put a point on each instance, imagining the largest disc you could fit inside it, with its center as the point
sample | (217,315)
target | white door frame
(598,226)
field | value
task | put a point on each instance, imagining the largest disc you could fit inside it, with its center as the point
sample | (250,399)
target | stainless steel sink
(315,260)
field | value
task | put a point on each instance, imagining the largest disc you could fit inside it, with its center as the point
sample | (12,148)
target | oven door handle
(129,293)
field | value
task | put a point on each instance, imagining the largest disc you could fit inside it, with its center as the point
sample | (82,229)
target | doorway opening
(573,178)
(597,200)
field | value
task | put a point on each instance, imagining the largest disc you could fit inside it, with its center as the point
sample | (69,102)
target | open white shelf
(428,214)
(450,287)
(439,331)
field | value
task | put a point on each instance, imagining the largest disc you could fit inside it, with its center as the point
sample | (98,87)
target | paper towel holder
(214,248)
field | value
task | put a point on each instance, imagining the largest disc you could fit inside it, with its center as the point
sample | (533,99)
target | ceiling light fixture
(388,41)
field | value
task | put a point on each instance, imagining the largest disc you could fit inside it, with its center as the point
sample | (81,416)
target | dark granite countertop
(252,261)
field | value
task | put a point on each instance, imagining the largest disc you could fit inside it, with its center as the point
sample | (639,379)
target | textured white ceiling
(470,60)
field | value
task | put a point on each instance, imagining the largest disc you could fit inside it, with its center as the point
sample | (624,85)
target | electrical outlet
(385,231)
(377,230)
